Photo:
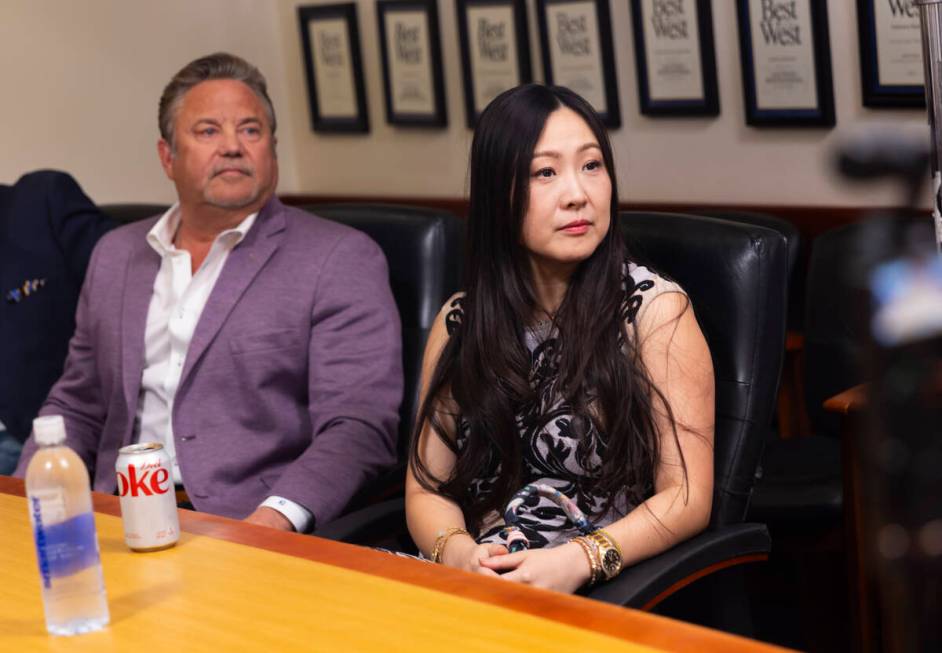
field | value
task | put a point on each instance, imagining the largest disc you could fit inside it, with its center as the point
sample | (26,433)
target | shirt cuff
(299,516)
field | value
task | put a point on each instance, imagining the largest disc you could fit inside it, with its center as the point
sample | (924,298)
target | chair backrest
(735,274)
(788,230)
(126,213)
(835,322)
(793,243)
(423,249)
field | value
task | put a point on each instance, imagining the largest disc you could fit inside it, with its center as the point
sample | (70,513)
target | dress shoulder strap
(641,286)
(454,313)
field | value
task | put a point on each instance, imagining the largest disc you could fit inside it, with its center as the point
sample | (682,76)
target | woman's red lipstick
(576,227)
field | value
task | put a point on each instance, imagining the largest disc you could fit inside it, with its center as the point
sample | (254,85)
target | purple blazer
(292,381)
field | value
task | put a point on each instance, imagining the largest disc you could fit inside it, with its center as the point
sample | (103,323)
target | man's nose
(230,144)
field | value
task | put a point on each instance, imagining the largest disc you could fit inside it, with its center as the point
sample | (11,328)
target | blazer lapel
(142,269)
(242,264)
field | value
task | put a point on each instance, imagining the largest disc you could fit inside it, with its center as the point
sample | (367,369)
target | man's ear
(165,152)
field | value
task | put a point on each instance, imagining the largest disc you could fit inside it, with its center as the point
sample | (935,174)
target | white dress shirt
(175,308)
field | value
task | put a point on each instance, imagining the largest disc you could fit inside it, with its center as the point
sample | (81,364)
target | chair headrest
(132,212)
(422,248)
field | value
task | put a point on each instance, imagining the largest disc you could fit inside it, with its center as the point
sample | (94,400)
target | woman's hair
(484,371)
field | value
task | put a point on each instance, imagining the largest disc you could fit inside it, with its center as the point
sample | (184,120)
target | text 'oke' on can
(148,499)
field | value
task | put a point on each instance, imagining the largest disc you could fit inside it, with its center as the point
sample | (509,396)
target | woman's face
(568,213)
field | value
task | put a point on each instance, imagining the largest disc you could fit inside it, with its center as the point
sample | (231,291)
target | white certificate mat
(408,48)
(492,41)
(672,48)
(575,50)
(783,54)
(899,43)
(333,68)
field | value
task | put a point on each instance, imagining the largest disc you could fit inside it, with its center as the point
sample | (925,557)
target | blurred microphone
(885,153)
(900,446)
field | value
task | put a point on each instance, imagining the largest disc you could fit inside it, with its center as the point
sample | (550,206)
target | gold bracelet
(611,540)
(443,536)
(588,547)
(609,553)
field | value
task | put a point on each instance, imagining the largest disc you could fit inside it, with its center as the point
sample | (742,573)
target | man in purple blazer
(258,343)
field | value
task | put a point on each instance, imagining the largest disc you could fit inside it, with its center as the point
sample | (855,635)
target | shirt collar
(160,236)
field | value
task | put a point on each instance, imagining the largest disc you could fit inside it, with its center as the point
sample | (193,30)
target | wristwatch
(609,553)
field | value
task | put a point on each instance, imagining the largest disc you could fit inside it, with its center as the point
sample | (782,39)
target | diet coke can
(148,499)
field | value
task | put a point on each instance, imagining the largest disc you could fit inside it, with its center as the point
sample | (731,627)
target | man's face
(224,151)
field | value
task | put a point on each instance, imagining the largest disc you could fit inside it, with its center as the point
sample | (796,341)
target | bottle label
(63,546)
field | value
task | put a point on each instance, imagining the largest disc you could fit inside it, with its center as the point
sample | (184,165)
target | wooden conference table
(231,586)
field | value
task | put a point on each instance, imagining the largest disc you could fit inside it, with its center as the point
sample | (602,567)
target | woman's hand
(563,568)
(462,552)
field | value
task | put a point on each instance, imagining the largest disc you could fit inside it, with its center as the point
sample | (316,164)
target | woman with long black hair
(566,425)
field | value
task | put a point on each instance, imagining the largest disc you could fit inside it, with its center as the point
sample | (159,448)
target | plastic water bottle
(60,509)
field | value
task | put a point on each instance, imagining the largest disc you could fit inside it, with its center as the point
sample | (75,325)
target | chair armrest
(647,583)
(367,525)
(852,400)
(640,586)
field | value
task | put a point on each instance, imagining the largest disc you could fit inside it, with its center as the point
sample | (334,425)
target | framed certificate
(576,44)
(413,82)
(332,65)
(786,62)
(495,50)
(891,65)
(675,57)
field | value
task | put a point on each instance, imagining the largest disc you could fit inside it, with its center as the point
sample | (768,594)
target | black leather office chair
(801,486)
(129,212)
(735,274)
(423,251)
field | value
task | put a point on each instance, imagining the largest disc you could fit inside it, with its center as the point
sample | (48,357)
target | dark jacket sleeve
(74,220)
(77,394)
(48,229)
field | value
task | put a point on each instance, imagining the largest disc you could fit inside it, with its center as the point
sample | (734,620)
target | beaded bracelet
(591,552)
(443,536)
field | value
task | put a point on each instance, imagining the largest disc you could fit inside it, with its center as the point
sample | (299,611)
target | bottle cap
(49,429)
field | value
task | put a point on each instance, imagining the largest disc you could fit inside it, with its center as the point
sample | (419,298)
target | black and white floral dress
(558,446)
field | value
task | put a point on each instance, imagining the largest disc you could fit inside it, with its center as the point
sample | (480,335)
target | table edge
(626,624)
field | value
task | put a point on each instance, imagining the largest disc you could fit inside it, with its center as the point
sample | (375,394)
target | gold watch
(609,553)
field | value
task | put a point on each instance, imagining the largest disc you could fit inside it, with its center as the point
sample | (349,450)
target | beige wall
(81,82)
(710,160)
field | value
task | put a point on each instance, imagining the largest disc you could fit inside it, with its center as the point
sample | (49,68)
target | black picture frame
(322,120)
(708,104)
(877,94)
(605,63)
(472,84)
(435,114)
(822,114)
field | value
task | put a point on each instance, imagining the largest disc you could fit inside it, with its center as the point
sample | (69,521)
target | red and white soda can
(148,497)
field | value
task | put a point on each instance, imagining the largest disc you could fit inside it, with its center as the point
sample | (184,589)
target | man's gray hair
(220,65)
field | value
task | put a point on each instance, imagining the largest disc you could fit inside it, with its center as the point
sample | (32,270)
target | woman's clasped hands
(563,568)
